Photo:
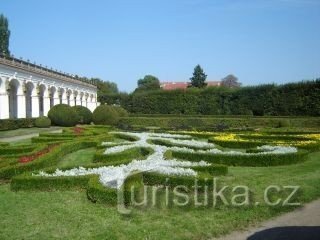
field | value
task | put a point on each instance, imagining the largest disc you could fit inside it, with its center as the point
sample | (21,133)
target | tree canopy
(105,87)
(230,81)
(199,77)
(4,35)
(148,83)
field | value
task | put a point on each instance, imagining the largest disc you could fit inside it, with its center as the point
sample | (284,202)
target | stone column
(46,102)
(35,103)
(21,98)
(4,104)
(78,103)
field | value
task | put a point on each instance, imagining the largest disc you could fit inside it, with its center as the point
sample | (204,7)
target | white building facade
(29,90)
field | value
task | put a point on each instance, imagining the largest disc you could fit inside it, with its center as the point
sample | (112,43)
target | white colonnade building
(28,90)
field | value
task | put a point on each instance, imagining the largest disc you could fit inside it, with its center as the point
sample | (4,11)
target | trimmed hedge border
(154,178)
(13,150)
(262,160)
(47,160)
(212,170)
(27,182)
(11,124)
(122,157)
(98,193)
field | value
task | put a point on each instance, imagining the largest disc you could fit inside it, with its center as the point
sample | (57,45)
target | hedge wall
(213,123)
(11,124)
(292,99)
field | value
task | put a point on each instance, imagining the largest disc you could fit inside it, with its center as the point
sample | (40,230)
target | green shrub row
(274,137)
(50,159)
(254,160)
(8,150)
(50,139)
(238,144)
(3,144)
(126,137)
(27,182)
(100,194)
(123,157)
(42,122)
(258,143)
(292,99)
(154,178)
(11,124)
(167,143)
(210,123)
(212,170)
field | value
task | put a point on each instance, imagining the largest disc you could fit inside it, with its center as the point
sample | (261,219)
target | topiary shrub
(42,122)
(121,111)
(283,123)
(105,115)
(63,115)
(85,115)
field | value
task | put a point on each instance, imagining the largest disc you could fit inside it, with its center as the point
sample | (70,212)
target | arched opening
(13,99)
(51,96)
(28,93)
(41,91)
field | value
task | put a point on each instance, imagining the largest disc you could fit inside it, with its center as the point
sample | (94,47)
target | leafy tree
(105,87)
(199,77)
(230,81)
(148,83)
(4,35)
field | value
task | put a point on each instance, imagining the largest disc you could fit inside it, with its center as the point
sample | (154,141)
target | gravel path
(23,137)
(303,223)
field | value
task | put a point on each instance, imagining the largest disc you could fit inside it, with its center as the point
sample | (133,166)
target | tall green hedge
(292,99)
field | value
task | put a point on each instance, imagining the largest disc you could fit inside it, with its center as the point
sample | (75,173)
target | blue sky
(259,41)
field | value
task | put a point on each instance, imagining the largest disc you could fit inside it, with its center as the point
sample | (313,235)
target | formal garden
(111,175)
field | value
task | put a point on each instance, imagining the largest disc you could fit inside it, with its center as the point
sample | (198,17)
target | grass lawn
(25,131)
(69,215)
(78,158)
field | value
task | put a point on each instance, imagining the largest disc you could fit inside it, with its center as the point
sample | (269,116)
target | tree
(199,77)
(105,87)
(4,35)
(230,81)
(148,83)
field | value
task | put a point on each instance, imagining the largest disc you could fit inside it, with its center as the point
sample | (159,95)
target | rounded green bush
(42,122)
(105,115)
(63,115)
(121,111)
(85,115)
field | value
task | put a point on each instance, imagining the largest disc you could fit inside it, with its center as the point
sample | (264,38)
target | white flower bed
(112,176)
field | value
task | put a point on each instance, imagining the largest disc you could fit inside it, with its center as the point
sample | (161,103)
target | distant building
(184,85)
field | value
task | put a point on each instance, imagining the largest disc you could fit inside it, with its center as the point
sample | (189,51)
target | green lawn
(78,158)
(69,215)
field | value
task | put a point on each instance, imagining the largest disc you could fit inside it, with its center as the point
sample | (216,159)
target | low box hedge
(28,182)
(212,170)
(123,157)
(16,149)
(155,178)
(11,124)
(98,193)
(49,159)
(254,160)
